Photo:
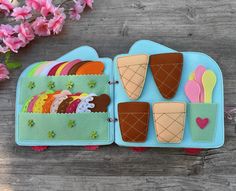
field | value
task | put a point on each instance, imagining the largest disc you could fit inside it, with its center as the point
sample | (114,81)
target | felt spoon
(208,82)
(198,78)
(192,91)
(191,76)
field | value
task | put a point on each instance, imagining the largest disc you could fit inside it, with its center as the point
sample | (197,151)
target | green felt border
(85,124)
(81,84)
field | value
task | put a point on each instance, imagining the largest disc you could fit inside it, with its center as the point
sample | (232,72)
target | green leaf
(13,65)
(7,56)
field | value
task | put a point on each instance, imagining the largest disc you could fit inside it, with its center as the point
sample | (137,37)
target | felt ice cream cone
(134,119)
(133,71)
(166,70)
(169,120)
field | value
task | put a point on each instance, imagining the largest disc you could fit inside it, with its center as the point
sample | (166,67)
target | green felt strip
(81,84)
(81,126)
(31,72)
(203,111)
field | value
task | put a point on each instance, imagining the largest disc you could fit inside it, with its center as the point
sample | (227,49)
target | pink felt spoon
(198,78)
(192,91)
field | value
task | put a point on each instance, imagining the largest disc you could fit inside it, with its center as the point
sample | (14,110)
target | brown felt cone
(166,70)
(133,71)
(169,121)
(134,119)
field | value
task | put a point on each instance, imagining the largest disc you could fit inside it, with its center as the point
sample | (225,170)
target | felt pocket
(169,121)
(55,127)
(202,121)
(134,120)
(30,86)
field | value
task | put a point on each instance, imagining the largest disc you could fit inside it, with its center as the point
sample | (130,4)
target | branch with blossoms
(33,18)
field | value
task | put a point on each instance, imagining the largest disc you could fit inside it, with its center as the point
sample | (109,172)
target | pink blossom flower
(6,31)
(34,4)
(5,6)
(40,26)
(25,32)
(21,13)
(56,23)
(13,43)
(4,73)
(77,9)
(89,3)
(46,7)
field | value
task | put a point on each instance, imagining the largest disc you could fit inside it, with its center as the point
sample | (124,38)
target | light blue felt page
(151,94)
(83,53)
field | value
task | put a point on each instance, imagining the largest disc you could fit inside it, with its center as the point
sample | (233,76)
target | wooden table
(207,26)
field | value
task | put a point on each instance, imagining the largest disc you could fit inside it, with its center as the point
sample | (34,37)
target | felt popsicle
(192,91)
(71,108)
(85,105)
(46,70)
(31,104)
(67,68)
(209,82)
(167,70)
(133,70)
(58,99)
(100,103)
(41,67)
(74,68)
(93,67)
(63,105)
(53,70)
(49,101)
(33,69)
(198,78)
(58,72)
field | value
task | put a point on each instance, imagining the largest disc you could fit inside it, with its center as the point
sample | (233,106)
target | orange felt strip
(91,68)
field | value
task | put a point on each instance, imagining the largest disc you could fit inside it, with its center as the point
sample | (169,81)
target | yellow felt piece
(58,72)
(38,105)
(169,121)
(133,70)
(208,82)
(191,76)
(83,95)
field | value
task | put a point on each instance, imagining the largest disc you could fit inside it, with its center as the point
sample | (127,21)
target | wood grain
(205,25)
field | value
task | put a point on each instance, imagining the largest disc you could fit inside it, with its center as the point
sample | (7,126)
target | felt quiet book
(152,96)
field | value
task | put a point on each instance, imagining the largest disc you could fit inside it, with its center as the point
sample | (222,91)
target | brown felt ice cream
(101,103)
(134,119)
(166,70)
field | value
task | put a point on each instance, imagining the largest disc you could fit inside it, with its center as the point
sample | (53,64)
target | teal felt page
(212,136)
(76,129)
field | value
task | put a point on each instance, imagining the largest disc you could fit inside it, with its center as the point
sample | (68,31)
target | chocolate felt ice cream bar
(134,119)
(167,70)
